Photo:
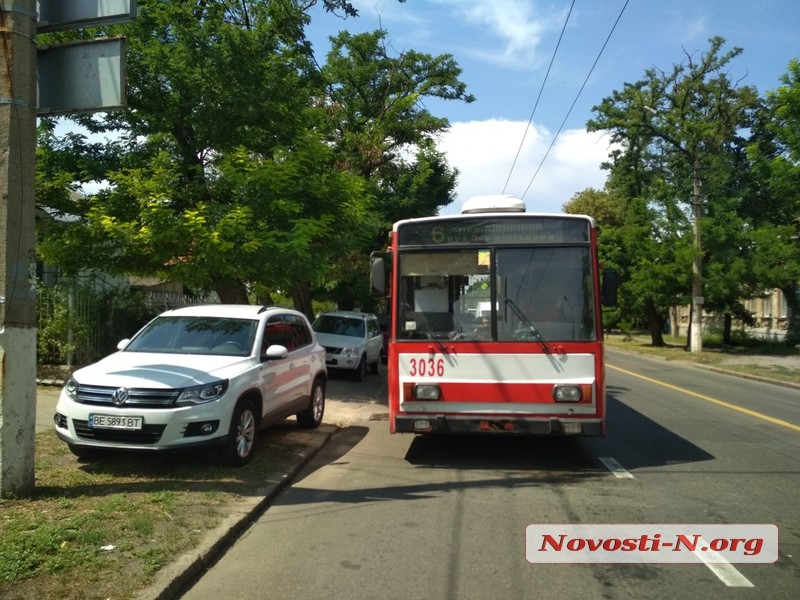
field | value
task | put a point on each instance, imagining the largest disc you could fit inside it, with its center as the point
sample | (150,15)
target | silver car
(352,341)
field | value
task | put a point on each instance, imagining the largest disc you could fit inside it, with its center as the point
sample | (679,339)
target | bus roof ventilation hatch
(493,204)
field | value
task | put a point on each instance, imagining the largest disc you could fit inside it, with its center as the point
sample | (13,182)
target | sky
(510,56)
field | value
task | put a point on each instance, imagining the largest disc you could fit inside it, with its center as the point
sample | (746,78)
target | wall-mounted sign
(82,77)
(74,14)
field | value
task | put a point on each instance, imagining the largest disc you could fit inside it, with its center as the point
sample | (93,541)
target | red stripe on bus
(540,393)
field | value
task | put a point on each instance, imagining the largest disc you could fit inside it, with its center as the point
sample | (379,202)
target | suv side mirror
(275,352)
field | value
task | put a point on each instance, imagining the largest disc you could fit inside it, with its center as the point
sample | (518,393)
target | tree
(383,132)
(234,172)
(607,208)
(775,206)
(220,178)
(376,100)
(670,130)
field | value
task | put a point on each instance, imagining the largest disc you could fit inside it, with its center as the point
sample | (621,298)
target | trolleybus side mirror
(377,275)
(609,287)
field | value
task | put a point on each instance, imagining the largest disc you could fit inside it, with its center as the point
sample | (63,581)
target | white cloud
(484,151)
(519,25)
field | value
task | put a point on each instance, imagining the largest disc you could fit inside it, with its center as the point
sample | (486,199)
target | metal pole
(696,340)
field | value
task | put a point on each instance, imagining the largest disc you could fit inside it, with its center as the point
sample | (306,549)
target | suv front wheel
(361,370)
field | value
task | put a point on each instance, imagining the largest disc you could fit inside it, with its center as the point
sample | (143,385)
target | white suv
(200,375)
(352,340)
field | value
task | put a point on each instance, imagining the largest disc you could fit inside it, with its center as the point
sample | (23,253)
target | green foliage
(378,99)
(59,330)
(742,341)
(84,324)
(775,210)
(672,130)
(239,166)
(382,130)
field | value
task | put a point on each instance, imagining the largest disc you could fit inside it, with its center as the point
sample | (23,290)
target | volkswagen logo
(120,396)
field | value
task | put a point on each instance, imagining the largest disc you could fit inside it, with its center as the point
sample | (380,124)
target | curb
(713,368)
(778,382)
(175,577)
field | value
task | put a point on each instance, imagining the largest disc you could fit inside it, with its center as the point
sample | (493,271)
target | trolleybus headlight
(427,391)
(566,393)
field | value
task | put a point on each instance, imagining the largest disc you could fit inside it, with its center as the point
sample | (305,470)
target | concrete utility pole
(17,247)
(696,323)
(696,339)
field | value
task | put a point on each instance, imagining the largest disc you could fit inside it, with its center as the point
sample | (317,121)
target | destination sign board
(494,231)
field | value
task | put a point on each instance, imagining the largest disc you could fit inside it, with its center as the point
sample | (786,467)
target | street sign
(55,15)
(84,76)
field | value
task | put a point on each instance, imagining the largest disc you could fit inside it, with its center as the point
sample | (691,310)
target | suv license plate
(114,422)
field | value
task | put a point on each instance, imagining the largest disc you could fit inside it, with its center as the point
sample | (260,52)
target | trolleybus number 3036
(426,367)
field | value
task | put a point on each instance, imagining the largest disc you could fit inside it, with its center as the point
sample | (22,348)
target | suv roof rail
(268,306)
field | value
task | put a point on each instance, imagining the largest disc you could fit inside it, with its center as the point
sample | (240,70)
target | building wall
(770,312)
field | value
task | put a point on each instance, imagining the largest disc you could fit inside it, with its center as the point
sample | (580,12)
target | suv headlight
(351,351)
(202,393)
(71,388)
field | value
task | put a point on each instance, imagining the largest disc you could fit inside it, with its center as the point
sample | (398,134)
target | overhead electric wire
(536,104)
(575,101)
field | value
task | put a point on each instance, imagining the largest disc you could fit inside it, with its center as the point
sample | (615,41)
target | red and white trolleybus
(495,322)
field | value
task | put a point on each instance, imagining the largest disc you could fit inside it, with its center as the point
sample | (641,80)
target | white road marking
(725,571)
(617,469)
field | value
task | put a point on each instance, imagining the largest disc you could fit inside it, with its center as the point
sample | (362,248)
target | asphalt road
(381,516)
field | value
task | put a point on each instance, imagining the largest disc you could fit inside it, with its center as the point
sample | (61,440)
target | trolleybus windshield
(534,293)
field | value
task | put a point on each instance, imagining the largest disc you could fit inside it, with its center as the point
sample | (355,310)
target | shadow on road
(631,438)
(636,441)
(504,452)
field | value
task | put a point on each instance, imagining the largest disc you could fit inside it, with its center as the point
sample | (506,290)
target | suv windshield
(338,325)
(196,335)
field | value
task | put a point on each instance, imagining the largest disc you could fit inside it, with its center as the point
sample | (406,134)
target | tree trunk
(792,314)
(230,291)
(265,299)
(675,324)
(655,323)
(727,326)
(301,296)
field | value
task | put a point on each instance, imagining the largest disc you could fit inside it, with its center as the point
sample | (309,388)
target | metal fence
(77,327)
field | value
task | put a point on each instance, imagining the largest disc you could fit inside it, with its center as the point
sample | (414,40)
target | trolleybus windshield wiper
(426,327)
(528,324)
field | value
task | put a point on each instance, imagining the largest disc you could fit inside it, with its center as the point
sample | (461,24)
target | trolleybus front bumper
(527,426)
